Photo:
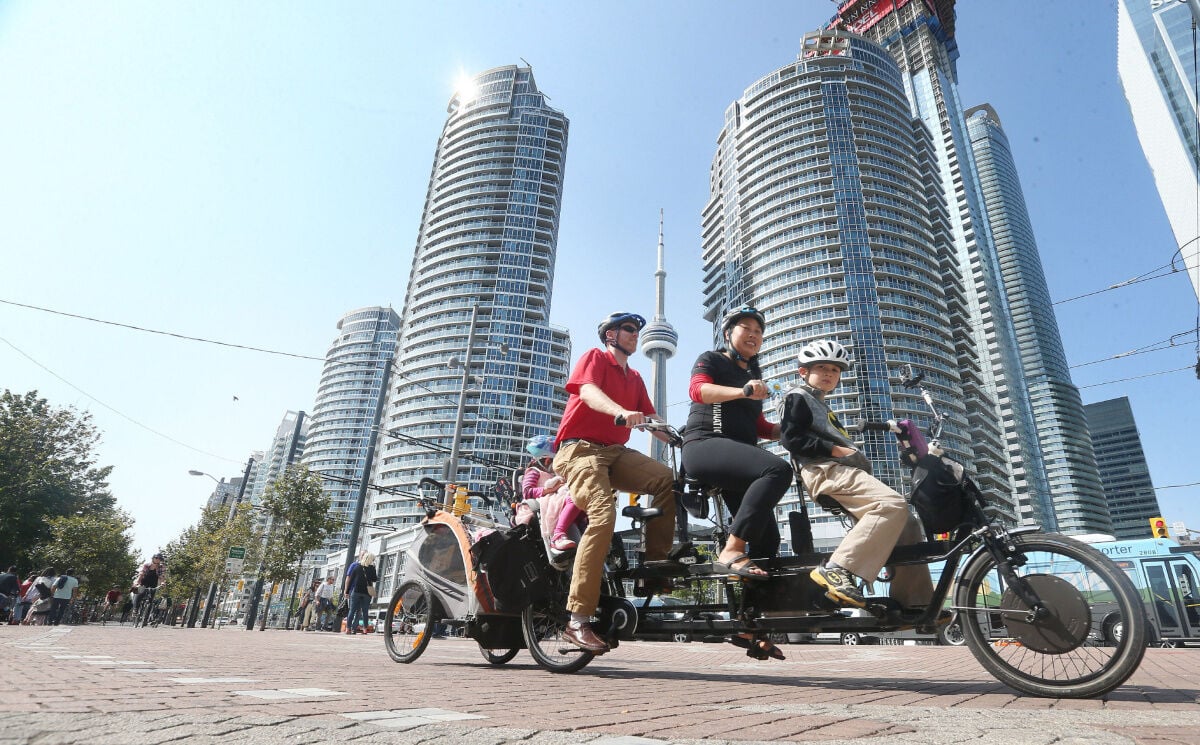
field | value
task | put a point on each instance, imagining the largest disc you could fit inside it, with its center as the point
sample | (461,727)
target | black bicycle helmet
(616,319)
(746,311)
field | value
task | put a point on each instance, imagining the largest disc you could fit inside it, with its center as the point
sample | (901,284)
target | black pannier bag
(515,572)
(941,494)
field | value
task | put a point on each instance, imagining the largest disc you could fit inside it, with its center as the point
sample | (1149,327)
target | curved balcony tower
(485,251)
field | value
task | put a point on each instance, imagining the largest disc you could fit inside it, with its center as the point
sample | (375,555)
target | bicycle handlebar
(653,425)
(888,426)
(426,481)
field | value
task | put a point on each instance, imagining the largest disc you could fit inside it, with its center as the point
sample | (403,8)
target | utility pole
(212,587)
(360,502)
(256,593)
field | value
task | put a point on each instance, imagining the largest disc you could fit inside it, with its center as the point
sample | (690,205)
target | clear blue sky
(248,172)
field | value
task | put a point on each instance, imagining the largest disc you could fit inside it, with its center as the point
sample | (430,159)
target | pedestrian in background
(41,594)
(325,605)
(22,603)
(360,588)
(66,587)
(308,605)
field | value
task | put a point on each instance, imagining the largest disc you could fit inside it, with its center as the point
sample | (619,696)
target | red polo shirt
(623,385)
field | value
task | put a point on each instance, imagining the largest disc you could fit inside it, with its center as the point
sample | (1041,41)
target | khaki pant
(310,611)
(883,521)
(592,472)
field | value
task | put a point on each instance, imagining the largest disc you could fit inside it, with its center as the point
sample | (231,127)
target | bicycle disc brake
(1063,626)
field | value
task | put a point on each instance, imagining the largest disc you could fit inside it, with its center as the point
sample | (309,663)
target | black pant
(752,482)
(58,608)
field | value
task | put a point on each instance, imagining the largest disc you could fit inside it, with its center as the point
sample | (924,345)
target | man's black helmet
(746,311)
(616,319)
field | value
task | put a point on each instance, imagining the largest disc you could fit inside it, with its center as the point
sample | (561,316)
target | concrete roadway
(116,684)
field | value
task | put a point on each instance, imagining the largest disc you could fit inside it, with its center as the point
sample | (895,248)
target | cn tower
(659,341)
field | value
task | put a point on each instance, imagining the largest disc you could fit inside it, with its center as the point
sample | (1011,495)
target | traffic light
(1158,528)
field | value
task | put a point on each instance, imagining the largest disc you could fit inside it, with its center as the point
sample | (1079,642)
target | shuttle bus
(1166,575)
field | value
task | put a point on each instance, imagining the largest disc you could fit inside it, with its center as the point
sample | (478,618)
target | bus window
(1187,589)
(1160,590)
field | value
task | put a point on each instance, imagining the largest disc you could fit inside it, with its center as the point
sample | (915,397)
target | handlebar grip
(875,426)
(619,420)
(748,389)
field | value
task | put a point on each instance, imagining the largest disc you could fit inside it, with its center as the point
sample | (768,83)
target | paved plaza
(116,684)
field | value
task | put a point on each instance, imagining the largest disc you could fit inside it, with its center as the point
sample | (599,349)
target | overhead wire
(1152,347)
(391,363)
(116,411)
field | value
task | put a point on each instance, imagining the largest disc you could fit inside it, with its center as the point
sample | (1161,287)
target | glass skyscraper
(825,213)
(1122,462)
(485,253)
(343,415)
(1071,488)
(919,35)
(1156,61)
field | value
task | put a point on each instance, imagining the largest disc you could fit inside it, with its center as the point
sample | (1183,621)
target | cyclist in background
(149,578)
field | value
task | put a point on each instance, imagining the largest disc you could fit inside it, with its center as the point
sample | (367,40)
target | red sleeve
(646,406)
(587,370)
(698,380)
(765,429)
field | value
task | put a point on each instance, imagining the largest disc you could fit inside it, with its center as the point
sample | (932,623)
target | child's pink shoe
(561,543)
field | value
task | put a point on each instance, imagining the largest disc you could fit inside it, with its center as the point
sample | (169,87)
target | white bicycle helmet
(824,350)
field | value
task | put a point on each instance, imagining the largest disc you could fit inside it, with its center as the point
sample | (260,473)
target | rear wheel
(543,623)
(498,656)
(409,621)
(1059,652)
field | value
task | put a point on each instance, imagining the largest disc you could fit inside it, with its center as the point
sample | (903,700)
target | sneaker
(562,543)
(839,584)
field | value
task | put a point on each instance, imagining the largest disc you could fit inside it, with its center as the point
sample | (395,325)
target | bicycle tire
(409,622)
(542,625)
(498,656)
(1063,655)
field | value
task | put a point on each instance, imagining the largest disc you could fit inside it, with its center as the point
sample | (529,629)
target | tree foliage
(298,509)
(96,545)
(197,557)
(47,470)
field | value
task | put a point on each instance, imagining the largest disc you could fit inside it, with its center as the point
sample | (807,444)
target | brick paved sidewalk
(115,684)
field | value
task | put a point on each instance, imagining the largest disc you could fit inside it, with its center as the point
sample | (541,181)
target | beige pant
(592,472)
(310,611)
(882,521)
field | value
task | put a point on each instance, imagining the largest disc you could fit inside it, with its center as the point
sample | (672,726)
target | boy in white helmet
(830,465)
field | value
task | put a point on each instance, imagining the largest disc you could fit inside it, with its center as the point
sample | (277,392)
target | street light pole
(450,472)
(212,586)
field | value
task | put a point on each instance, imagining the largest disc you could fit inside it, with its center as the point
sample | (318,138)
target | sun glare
(465,89)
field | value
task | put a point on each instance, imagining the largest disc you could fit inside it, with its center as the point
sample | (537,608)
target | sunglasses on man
(630,328)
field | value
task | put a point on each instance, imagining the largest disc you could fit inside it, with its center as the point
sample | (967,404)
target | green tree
(47,470)
(298,509)
(197,557)
(97,545)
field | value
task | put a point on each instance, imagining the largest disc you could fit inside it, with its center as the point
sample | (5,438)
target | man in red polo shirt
(593,460)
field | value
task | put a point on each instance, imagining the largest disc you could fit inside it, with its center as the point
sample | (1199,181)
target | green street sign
(237,552)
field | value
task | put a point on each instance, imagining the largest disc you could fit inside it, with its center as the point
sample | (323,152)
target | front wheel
(1058,650)
(543,623)
(409,621)
(498,656)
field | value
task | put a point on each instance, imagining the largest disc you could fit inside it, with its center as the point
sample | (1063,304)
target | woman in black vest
(720,443)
